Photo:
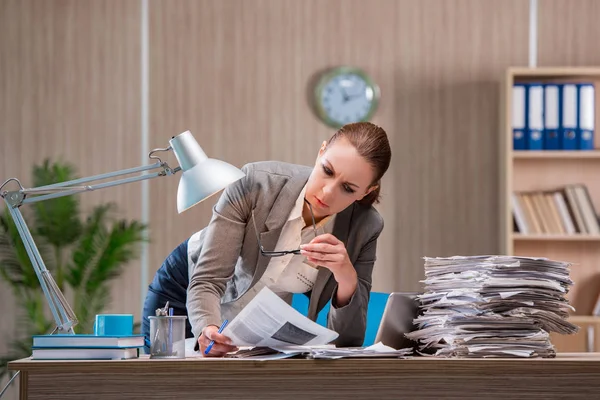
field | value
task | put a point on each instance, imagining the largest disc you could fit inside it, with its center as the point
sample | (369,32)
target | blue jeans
(170,284)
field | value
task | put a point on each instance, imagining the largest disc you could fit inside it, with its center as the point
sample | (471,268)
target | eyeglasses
(282,252)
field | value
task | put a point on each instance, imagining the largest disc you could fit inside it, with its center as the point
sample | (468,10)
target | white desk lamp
(201,178)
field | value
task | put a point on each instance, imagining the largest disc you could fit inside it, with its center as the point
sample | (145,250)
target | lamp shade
(201,176)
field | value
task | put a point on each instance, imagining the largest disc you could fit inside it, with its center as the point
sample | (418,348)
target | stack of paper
(492,306)
(376,350)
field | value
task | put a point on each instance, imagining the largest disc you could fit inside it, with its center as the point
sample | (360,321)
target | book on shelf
(566,210)
(87,341)
(596,310)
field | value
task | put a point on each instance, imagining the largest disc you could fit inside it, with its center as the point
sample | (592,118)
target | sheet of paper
(244,353)
(268,321)
(376,350)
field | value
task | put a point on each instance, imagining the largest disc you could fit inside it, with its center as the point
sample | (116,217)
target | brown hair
(372,144)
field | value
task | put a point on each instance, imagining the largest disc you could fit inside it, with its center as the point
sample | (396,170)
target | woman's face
(340,177)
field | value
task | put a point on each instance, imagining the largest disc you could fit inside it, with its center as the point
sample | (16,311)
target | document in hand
(268,321)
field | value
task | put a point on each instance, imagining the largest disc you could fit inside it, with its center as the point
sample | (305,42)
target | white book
(563,210)
(519,215)
(83,354)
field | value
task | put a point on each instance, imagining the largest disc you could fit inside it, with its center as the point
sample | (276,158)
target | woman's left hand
(328,251)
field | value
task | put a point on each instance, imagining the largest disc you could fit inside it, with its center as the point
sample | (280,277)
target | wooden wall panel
(568,36)
(69,89)
(236,72)
(568,33)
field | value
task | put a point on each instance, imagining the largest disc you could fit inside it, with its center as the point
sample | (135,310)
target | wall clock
(343,95)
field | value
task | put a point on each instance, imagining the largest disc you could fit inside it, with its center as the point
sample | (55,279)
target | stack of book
(567,210)
(492,306)
(85,347)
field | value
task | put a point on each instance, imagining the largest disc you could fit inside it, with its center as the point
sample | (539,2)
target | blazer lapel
(277,217)
(340,231)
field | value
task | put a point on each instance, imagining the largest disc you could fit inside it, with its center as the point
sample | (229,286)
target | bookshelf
(556,155)
(555,238)
(549,171)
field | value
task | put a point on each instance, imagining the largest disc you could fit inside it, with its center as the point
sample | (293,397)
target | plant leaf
(88,305)
(98,257)
(16,267)
(121,247)
(57,220)
(88,249)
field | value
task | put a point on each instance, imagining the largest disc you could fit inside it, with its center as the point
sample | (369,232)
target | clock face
(345,95)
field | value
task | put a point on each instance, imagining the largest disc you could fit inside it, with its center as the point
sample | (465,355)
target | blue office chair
(377,302)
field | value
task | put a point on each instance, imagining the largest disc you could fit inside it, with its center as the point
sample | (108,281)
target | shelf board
(553,72)
(556,238)
(549,154)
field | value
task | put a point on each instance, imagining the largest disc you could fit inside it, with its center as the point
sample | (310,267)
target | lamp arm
(62,312)
(67,188)
(88,188)
(99,177)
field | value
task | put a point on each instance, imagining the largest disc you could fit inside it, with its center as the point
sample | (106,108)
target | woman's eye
(327,171)
(348,189)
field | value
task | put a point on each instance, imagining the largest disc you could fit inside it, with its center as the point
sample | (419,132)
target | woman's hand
(329,252)
(222,344)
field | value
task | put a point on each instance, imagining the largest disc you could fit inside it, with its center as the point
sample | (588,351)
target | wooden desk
(569,376)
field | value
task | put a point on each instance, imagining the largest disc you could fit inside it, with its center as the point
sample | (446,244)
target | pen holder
(167,336)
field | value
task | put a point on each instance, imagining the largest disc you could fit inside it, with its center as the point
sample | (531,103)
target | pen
(170,336)
(212,342)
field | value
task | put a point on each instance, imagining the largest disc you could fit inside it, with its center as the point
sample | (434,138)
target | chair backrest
(377,302)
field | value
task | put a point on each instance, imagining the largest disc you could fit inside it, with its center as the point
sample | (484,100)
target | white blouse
(289,273)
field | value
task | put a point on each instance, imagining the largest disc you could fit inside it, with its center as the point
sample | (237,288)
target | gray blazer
(228,260)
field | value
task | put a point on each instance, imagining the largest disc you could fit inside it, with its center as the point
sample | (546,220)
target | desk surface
(584,360)
(566,376)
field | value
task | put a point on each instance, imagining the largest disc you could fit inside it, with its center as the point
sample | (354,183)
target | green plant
(83,255)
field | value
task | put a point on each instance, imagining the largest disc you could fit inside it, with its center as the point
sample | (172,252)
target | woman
(260,220)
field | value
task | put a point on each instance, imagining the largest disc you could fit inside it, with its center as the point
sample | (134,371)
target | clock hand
(345,96)
(353,97)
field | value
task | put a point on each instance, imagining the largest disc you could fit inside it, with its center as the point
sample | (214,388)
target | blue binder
(568,127)
(586,116)
(552,117)
(535,116)
(519,110)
